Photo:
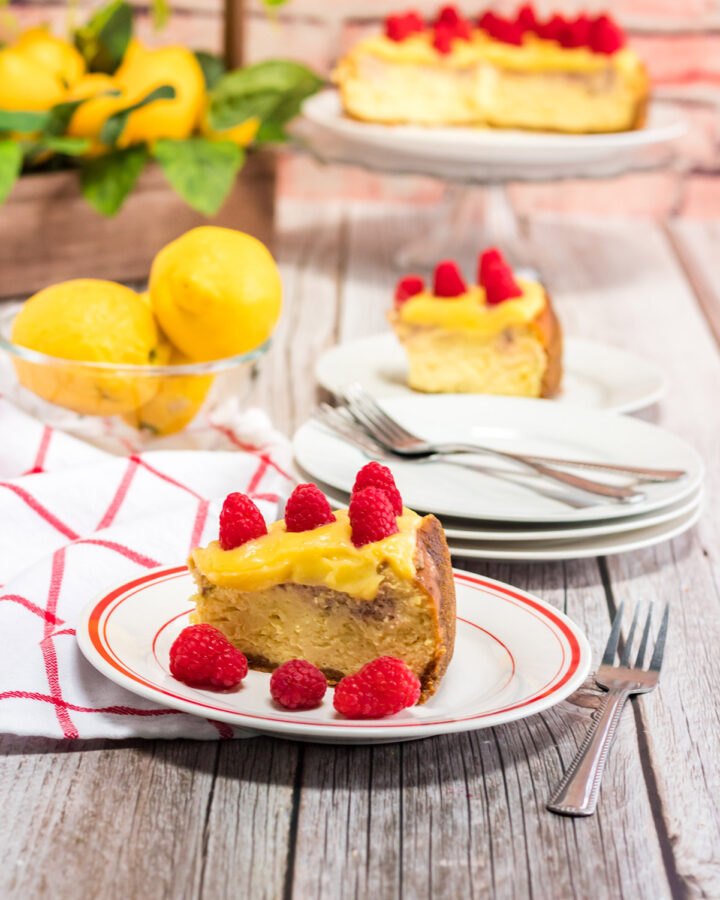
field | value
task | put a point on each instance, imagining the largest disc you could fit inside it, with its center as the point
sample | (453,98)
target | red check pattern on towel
(73,521)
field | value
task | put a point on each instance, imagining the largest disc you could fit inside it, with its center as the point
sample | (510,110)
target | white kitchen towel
(74,520)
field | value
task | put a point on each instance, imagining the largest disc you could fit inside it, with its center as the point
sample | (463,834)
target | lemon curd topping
(470,313)
(325,556)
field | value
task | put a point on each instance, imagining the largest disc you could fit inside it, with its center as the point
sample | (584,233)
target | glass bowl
(124,403)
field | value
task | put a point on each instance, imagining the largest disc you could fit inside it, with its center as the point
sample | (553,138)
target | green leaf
(11,158)
(68,146)
(26,122)
(271,133)
(59,116)
(107,180)
(160,12)
(273,91)
(105,38)
(213,67)
(114,124)
(201,171)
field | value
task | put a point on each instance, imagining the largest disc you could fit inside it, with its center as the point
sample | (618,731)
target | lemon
(89,118)
(24,85)
(175,403)
(215,292)
(140,72)
(53,54)
(92,321)
(242,134)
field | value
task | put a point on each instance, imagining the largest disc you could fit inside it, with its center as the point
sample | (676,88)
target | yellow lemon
(24,85)
(144,70)
(52,53)
(176,402)
(92,321)
(89,118)
(215,292)
(242,134)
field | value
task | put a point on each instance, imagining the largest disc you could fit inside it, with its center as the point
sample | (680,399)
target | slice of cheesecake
(500,336)
(569,75)
(315,594)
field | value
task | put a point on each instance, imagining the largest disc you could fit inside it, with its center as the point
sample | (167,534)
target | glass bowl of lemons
(97,358)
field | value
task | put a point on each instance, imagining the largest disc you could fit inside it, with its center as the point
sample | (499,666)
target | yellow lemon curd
(470,312)
(325,556)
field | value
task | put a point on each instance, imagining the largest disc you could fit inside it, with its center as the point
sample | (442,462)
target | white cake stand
(465,158)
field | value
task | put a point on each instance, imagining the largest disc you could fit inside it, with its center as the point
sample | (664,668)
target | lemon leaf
(68,146)
(273,91)
(58,117)
(160,12)
(107,180)
(114,124)
(11,157)
(201,171)
(103,40)
(213,67)
(12,120)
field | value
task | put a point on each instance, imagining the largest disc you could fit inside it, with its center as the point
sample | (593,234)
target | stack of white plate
(492,510)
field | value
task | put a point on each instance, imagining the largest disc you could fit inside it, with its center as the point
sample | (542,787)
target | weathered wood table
(448,817)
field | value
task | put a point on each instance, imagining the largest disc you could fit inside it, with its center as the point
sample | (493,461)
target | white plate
(608,545)
(487,145)
(507,423)
(515,655)
(595,375)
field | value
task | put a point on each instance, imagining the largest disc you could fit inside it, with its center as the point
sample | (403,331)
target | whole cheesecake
(500,337)
(315,594)
(567,75)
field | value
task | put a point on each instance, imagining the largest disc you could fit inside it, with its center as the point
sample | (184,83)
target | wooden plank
(697,244)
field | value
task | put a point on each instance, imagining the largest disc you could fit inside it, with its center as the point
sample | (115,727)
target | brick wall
(680,42)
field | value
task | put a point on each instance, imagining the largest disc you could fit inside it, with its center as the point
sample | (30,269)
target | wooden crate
(48,232)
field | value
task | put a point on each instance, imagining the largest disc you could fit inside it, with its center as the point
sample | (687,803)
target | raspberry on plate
(240,521)
(372,517)
(307,508)
(297,684)
(381,688)
(374,474)
(201,656)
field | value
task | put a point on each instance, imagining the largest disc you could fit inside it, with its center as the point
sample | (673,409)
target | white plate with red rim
(595,375)
(515,655)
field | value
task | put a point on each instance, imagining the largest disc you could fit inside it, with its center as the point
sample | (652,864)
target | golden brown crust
(434,573)
(548,328)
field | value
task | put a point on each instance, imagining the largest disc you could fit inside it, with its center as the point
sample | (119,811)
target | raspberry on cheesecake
(338,589)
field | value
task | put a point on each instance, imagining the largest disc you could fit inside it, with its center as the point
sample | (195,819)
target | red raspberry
(450,18)
(507,32)
(526,18)
(606,36)
(371,516)
(381,688)
(552,29)
(487,259)
(378,476)
(307,508)
(448,281)
(443,38)
(240,521)
(576,33)
(202,656)
(487,21)
(297,684)
(407,287)
(401,26)
(500,285)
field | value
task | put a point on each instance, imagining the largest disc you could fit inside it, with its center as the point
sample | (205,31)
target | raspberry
(401,26)
(552,29)
(202,656)
(378,476)
(487,259)
(500,285)
(606,36)
(307,508)
(448,281)
(297,684)
(240,521)
(371,516)
(526,18)
(576,33)
(507,32)
(381,688)
(442,39)
(450,18)
(407,287)
(487,21)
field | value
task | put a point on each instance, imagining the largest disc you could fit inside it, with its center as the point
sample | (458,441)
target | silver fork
(386,431)
(577,793)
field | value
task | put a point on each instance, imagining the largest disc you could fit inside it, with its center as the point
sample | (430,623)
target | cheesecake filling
(325,556)
(470,313)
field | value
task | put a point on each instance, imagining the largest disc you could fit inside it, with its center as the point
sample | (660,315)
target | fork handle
(577,793)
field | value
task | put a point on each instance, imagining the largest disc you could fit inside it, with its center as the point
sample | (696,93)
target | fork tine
(367,422)
(611,646)
(372,407)
(657,657)
(627,649)
(643,641)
